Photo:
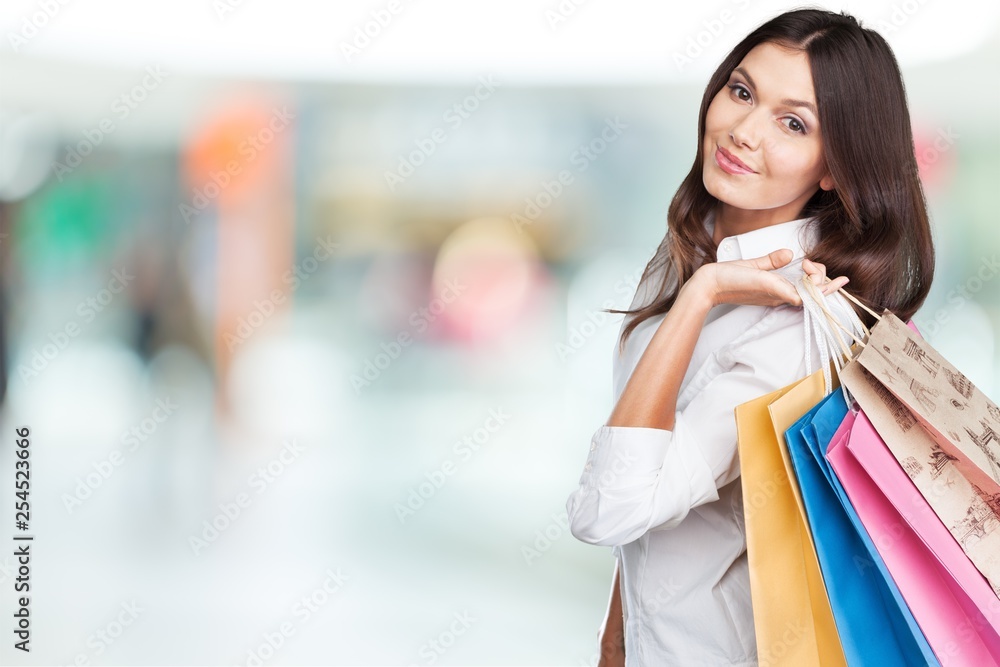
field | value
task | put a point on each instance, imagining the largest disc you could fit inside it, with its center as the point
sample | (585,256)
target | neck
(731,221)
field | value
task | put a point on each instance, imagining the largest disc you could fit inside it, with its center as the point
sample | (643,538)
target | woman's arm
(649,399)
(612,640)
(650,464)
(650,395)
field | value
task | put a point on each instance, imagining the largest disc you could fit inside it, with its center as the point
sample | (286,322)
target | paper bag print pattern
(969,514)
(959,417)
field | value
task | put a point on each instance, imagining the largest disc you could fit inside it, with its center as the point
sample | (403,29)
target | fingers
(780,257)
(834,285)
(773,260)
(787,292)
(783,291)
(816,271)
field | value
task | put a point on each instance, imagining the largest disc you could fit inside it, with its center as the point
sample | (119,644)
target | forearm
(650,395)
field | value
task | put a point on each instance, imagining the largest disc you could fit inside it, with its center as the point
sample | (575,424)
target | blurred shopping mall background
(301,304)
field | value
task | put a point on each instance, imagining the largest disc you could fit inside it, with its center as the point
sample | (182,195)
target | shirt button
(593,446)
(587,467)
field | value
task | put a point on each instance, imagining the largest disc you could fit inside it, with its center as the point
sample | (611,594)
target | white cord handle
(817,320)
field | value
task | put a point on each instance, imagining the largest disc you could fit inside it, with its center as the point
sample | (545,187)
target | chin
(716,189)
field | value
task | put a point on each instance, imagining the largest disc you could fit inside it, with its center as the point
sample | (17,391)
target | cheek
(714,114)
(786,159)
(714,126)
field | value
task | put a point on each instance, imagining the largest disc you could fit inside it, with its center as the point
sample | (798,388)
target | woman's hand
(750,281)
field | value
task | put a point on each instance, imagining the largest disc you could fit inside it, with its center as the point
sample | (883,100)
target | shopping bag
(893,355)
(953,604)
(972,517)
(826,429)
(793,620)
(959,417)
(875,626)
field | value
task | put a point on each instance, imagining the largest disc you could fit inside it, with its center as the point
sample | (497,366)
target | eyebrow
(786,101)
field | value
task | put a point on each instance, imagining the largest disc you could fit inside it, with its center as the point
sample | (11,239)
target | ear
(827,182)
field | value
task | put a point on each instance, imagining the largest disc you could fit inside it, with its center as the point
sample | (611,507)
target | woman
(805,148)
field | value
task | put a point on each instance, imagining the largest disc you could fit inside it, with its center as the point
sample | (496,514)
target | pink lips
(729,163)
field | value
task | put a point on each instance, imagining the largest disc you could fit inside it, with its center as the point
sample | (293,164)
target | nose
(745,132)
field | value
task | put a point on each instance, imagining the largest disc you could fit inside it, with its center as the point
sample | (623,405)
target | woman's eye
(738,88)
(796,126)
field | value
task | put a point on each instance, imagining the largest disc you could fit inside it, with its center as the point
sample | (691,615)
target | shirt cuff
(638,479)
(626,452)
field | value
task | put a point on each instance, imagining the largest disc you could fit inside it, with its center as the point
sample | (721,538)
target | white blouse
(670,502)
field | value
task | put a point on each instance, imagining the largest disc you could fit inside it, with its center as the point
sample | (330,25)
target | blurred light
(27,150)
(484,278)
(936,153)
(84,393)
(220,150)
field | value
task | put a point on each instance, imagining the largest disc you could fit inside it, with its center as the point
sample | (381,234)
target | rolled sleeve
(638,479)
(635,479)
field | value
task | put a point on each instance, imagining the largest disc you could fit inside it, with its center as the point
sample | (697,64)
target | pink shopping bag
(950,599)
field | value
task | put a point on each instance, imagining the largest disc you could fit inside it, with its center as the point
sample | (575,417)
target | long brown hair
(873,226)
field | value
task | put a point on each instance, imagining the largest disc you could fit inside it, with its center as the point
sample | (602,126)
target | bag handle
(827,337)
(815,310)
(818,299)
(855,300)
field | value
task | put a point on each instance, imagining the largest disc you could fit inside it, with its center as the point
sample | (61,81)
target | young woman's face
(757,118)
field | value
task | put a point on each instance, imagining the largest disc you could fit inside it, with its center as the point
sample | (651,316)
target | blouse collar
(797,235)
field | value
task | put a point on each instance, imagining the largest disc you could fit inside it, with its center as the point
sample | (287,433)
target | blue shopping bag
(875,626)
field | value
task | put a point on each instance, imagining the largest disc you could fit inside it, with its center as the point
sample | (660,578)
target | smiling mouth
(729,164)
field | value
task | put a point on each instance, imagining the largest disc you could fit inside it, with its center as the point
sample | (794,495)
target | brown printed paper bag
(957,416)
(971,516)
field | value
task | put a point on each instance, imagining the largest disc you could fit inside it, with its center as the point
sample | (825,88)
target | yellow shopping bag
(792,615)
